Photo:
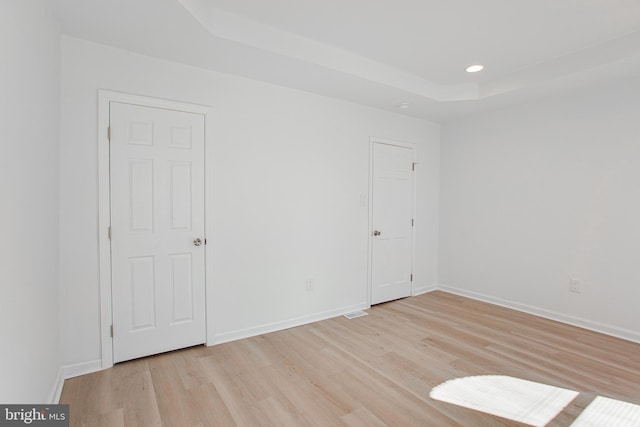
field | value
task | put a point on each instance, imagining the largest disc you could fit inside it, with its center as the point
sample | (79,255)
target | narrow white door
(157,230)
(392,216)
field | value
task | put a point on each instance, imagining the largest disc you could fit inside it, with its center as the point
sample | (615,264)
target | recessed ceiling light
(475,68)
(403,105)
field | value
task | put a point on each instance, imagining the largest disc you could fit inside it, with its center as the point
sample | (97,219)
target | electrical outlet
(574,286)
(311,284)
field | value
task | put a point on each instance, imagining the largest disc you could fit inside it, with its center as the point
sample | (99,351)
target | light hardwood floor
(374,370)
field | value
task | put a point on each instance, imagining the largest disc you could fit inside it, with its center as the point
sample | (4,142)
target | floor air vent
(355,314)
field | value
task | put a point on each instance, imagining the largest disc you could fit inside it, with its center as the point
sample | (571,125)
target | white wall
(537,194)
(288,172)
(29,129)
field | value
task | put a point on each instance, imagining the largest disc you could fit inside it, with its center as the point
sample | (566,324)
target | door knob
(197,242)
(376,233)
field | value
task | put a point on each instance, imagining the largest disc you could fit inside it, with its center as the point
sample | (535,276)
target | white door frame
(375,140)
(104,206)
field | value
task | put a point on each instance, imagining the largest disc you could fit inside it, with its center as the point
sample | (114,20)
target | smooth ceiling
(437,39)
(381,53)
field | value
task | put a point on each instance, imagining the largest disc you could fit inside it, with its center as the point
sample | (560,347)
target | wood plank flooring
(375,370)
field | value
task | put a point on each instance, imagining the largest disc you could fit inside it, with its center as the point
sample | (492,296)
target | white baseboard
(74,370)
(285,324)
(56,390)
(419,290)
(69,371)
(77,369)
(613,331)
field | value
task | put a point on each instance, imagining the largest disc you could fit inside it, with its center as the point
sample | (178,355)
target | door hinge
(109,133)
(109,232)
(413,166)
(111,331)
(412,277)
(412,222)
(205,240)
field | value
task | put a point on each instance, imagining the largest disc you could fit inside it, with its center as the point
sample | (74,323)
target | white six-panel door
(392,221)
(157,230)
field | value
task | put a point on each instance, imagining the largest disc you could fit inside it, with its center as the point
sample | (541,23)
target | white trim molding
(56,390)
(602,328)
(285,324)
(77,369)
(419,290)
(105,97)
(70,371)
